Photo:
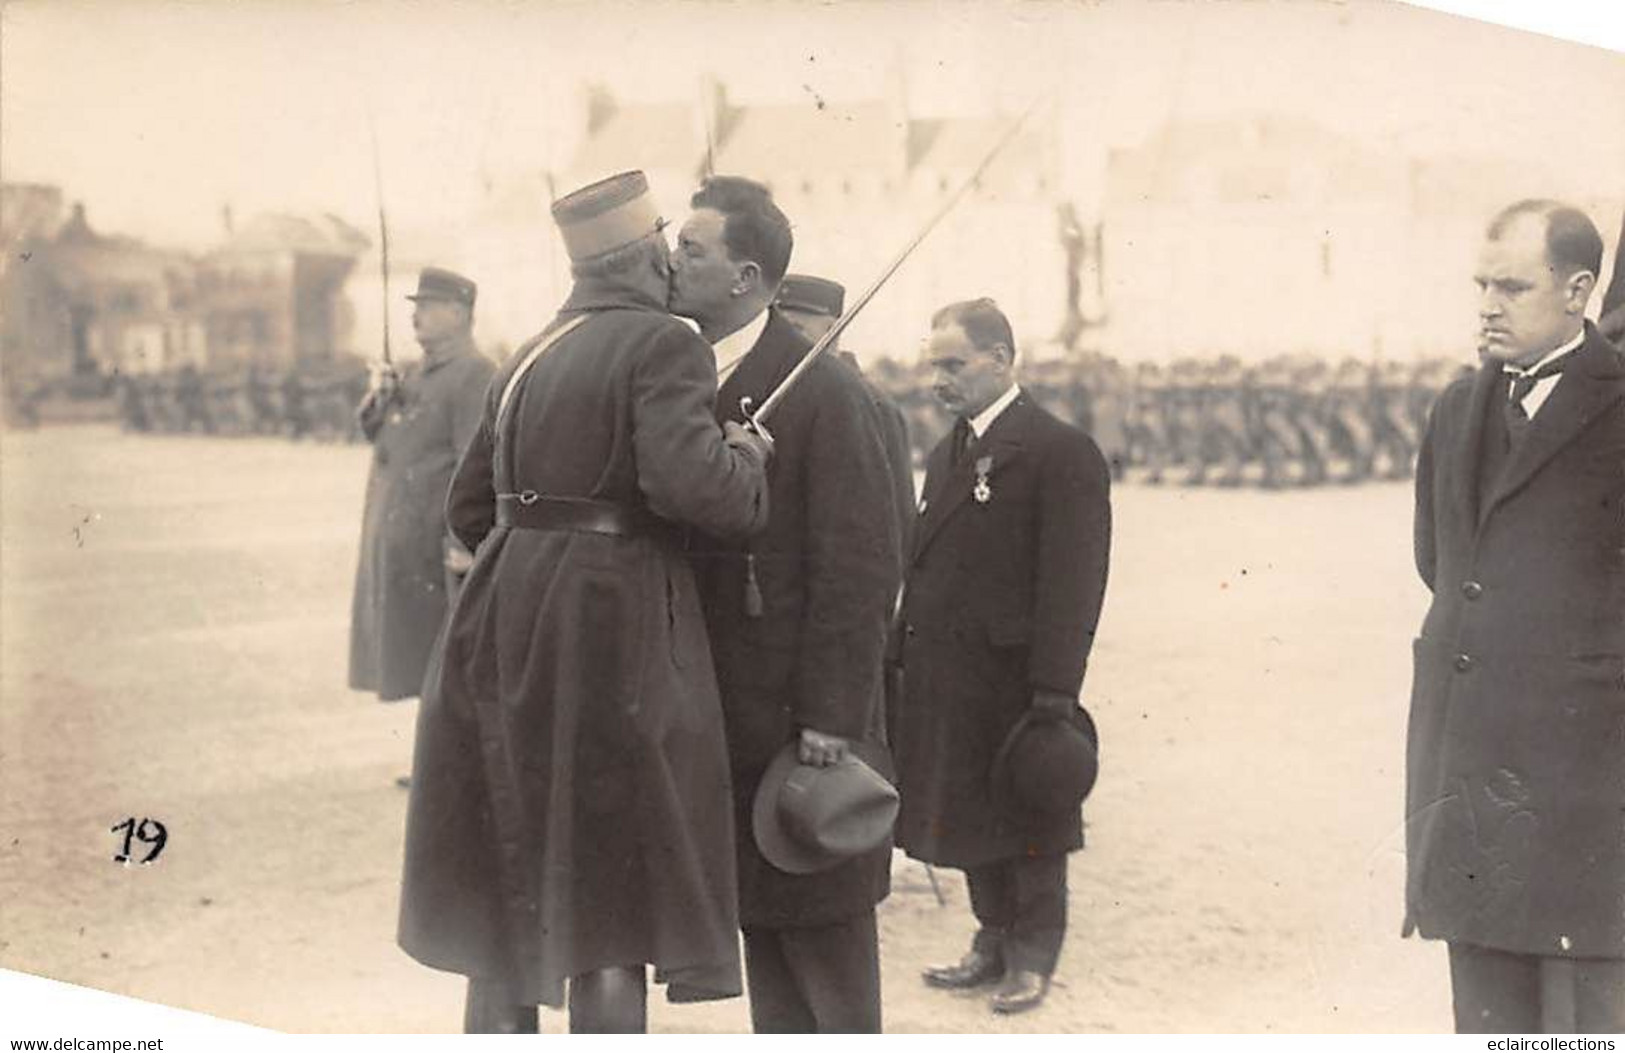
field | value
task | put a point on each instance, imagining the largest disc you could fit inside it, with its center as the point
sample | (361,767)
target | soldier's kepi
(757,415)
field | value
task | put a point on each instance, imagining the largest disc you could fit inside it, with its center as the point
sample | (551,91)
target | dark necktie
(1521,385)
(962,440)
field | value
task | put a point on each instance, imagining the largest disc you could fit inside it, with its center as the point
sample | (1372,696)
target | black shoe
(973,970)
(1022,990)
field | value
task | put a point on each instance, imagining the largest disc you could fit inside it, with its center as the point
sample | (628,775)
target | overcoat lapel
(760,371)
(1004,440)
(1487,386)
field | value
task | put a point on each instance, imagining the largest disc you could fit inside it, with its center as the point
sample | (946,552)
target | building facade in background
(79,303)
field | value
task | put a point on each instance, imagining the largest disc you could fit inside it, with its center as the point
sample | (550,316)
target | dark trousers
(1020,904)
(1500,992)
(824,979)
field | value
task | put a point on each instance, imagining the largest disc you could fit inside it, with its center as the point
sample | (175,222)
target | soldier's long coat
(827,567)
(1516,754)
(570,804)
(400,582)
(1001,596)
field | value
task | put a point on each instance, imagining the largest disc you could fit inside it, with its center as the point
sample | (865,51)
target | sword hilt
(746,409)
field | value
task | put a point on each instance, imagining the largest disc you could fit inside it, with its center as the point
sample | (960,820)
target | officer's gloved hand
(757,440)
(458,559)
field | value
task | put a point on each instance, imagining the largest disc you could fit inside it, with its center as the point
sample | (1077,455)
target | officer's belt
(580,515)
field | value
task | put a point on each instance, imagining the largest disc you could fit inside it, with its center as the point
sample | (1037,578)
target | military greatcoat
(570,806)
(400,582)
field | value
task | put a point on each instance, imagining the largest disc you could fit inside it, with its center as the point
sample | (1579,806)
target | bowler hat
(1047,765)
(607,215)
(437,283)
(808,819)
(804,292)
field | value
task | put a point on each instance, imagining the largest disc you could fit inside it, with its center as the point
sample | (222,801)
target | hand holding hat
(821,750)
(809,818)
(1048,763)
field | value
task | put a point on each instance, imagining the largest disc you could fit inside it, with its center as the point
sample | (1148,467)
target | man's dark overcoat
(1002,596)
(1515,799)
(570,805)
(827,569)
(400,582)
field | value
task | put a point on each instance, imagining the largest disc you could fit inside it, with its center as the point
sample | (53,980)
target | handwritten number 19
(149,832)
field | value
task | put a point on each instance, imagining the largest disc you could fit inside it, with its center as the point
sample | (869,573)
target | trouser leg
(992,901)
(1038,921)
(1598,996)
(823,979)
(1494,991)
(777,1006)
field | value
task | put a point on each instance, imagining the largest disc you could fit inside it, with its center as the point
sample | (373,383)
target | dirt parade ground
(175,618)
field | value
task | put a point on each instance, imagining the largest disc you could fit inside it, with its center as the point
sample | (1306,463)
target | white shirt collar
(1519,371)
(984,420)
(1544,387)
(737,344)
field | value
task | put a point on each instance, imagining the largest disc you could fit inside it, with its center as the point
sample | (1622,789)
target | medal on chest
(982,492)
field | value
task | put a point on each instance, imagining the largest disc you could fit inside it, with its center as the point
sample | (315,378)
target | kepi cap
(437,283)
(804,292)
(607,215)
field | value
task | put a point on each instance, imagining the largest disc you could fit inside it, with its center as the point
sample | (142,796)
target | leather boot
(610,1001)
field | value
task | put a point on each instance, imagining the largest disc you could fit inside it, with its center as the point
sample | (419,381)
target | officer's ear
(1005,356)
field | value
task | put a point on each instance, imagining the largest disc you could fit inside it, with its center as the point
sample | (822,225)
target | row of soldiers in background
(315,398)
(1289,421)
(1300,421)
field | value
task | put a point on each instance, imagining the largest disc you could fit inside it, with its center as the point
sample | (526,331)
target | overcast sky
(158,113)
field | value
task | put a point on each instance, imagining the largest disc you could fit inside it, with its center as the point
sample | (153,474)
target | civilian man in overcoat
(570,817)
(1000,603)
(1515,772)
(798,613)
(418,422)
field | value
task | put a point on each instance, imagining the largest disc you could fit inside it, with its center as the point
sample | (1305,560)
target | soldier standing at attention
(418,422)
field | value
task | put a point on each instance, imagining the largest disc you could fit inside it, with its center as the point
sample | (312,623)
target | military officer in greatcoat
(571,820)
(1515,781)
(1000,602)
(418,422)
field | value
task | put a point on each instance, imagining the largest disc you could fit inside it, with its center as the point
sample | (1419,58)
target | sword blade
(760,414)
(383,230)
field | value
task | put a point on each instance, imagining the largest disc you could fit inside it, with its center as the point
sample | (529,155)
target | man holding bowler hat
(1000,601)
